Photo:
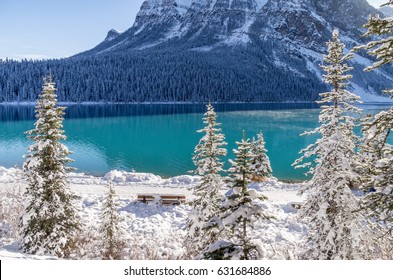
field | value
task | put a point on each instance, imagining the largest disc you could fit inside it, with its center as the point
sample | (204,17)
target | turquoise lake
(160,138)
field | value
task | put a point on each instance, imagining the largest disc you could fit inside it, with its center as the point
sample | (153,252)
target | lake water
(161,138)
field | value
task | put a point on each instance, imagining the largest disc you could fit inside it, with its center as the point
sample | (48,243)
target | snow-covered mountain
(296,30)
(217,50)
(112,34)
(307,22)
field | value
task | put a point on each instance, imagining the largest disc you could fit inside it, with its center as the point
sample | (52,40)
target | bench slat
(162,198)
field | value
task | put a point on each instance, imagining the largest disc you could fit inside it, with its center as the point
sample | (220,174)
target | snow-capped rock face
(308,22)
(112,34)
(294,20)
(291,34)
(190,18)
(154,12)
(347,15)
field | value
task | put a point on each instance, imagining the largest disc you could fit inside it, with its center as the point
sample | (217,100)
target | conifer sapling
(208,196)
(260,163)
(112,229)
(241,210)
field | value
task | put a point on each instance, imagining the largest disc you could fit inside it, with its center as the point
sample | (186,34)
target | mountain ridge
(222,19)
(217,50)
(299,28)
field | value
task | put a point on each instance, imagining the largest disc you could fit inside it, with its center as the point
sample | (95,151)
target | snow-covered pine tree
(375,131)
(336,117)
(380,200)
(377,154)
(111,229)
(375,164)
(381,48)
(260,163)
(50,221)
(208,197)
(335,227)
(240,173)
(240,211)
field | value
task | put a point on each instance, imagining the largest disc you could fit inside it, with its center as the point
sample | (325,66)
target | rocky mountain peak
(112,34)
(214,23)
(291,34)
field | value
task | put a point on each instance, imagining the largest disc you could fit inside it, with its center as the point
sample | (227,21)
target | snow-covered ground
(157,231)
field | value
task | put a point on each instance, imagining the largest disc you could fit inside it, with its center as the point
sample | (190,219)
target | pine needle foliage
(337,229)
(112,229)
(376,154)
(208,197)
(242,209)
(50,221)
(260,162)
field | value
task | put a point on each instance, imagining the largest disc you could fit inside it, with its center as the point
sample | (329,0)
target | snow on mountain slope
(300,23)
(270,36)
(183,6)
(217,50)
(112,34)
(305,20)
(193,18)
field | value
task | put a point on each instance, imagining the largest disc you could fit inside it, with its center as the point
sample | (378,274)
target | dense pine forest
(162,76)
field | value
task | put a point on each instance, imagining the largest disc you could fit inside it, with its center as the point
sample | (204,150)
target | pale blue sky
(60,28)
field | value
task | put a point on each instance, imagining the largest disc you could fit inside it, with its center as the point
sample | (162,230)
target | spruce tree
(208,196)
(373,147)
(112,230)
(241,210)
(240,173)
(382,48)
(260,163)
(376,158)
(50,221)
(335,227)
(380,199)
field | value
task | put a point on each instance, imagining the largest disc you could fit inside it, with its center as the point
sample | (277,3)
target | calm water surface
(161,138)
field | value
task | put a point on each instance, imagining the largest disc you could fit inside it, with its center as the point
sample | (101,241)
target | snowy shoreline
(139,181)
(162,227)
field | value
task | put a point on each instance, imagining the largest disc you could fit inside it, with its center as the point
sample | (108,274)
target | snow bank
(160,230)
(83,179)
(11,252)
(9,175)
(182,180)
(122,177)
(9,255)
(273,184)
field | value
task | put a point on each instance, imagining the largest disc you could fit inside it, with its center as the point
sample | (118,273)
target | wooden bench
(146,198)
(164,199)
(172,199)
